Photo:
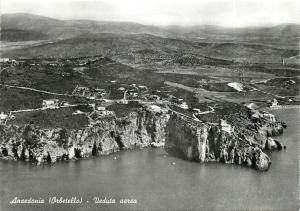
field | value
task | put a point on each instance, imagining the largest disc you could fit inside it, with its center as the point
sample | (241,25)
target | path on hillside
(267,93)
(40,109)
(46,108)
(207,112)
(37,90)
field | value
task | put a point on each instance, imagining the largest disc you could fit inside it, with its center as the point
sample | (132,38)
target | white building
(183,105)
(252,106)
(4,59)
(108,113)
(269,117)
(3,117)
(52,103)
(77,112)
(105,113)
(122,101)
(274,103)
(66,104)
(100,108)
(133,94)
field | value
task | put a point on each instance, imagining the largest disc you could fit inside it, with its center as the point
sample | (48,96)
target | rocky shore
(198,141)
(31,143)
(205,142)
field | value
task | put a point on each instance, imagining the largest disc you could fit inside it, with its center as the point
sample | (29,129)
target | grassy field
(54,118)
(195,85)
(17,99)
(123,110)
(232,112)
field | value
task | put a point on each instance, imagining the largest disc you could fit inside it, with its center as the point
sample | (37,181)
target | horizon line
(155,25)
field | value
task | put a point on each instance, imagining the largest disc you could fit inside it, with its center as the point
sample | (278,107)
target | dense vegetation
(16,99)
(14,35)
(55,118)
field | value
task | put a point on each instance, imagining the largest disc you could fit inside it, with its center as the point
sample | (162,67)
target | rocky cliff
(106,135)
(204,142)
(198,141)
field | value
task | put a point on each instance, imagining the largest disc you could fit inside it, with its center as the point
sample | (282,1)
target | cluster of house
(134,90)
(271,103)
(9,61)
(262,114)
(139,91)
(131,92)
(184,105)
(50,62)
(41,62)
(128,92)
(50,103)
(90,93)
(179,102)
(100,112)
(2,60)
(53,103)
(46,104)
(276,104)
(122,101)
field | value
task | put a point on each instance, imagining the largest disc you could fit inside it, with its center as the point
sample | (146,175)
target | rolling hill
(284,35)
(63,29)
(15,35)
(145,48)
(137,43)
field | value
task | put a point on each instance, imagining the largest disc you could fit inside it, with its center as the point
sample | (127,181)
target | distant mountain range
(61,29)
(133,41)
(15,35)
(286,35)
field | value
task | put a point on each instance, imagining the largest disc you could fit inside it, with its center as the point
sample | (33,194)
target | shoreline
(153,129)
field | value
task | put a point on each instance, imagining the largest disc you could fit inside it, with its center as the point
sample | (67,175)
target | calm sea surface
(159,181)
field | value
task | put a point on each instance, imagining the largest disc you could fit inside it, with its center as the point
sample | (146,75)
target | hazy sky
(165,12)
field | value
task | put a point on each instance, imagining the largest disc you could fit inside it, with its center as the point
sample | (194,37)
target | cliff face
(204,142)
(198,141)
(107,135)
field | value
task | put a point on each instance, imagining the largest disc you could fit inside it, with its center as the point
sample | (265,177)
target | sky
(227,13)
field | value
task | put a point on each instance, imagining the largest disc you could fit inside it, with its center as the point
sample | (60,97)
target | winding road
(37,90)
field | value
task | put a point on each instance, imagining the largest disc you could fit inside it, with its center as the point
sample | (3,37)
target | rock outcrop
(204,142)
(198,141)
(140,129)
